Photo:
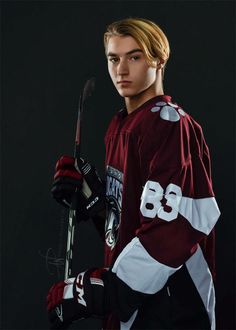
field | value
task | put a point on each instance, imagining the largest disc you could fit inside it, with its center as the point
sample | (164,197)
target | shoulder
(167,112)
(169,129)
(165,116)
(164,119)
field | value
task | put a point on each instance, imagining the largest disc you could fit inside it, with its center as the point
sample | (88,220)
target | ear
(160,64)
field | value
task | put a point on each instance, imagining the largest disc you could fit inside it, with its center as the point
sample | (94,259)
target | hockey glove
(81,179)
(94,293)
(76,298)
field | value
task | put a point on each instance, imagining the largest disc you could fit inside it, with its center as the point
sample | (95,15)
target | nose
(122,68)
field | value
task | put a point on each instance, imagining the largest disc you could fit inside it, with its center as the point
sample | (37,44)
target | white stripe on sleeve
(201,276)
(201,213)
(139,270)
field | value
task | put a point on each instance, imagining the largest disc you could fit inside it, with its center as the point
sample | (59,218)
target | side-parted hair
(149,36)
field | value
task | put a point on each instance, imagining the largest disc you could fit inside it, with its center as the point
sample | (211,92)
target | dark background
(49,48)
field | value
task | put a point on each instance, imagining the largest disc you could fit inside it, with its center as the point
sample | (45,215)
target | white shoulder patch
(158,106)
(181,111)
(169,113)
(155,109)
(173,105)
(161,103)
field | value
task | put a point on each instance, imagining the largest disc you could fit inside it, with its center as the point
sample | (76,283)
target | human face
(128,67)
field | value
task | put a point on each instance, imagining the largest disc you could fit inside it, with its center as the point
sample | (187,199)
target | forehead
(121,45)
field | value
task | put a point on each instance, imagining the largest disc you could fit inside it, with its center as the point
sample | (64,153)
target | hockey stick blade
(86,93)
(88,89)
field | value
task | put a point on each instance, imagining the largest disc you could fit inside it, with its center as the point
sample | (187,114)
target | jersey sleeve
(177,207)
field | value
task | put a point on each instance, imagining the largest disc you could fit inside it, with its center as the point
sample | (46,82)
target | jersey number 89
(153,193)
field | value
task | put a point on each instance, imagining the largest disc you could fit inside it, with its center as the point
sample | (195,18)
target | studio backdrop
(49,49)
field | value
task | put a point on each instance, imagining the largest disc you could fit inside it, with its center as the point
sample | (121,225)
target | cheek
(151,74)
(111,72)
(145,77)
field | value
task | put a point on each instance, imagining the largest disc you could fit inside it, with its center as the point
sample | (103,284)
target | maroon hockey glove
(76,298)
(94,293)
(66,180)
(87,185)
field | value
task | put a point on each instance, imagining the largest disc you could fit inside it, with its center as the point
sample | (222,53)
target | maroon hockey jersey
(161,205)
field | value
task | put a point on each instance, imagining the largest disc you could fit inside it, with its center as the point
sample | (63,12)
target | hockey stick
(87,91)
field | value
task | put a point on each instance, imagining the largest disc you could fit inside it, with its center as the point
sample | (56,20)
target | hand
(80,178)
(76,298)
(94,293)
(67,180)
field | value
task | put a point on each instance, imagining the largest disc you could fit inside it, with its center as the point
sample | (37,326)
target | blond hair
(149,36)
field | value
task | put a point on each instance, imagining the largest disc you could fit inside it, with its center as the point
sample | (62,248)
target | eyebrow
(128,53)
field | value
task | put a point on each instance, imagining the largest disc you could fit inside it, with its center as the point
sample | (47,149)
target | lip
(124,82)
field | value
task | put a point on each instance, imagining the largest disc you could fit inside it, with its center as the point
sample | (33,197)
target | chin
(124,93)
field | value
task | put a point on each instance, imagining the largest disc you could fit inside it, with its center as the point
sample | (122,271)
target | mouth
(124,82)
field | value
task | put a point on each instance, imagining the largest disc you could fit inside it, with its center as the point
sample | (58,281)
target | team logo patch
(114,201)
(168,111)
(112,223)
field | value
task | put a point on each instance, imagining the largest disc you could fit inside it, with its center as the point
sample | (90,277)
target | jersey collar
(153,100)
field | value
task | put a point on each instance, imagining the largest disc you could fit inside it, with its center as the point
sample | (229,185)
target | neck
(133,102)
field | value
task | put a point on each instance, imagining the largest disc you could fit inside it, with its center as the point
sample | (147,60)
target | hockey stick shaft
(87,90)
(72,210)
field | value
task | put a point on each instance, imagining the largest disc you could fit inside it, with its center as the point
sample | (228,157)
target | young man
(161,210)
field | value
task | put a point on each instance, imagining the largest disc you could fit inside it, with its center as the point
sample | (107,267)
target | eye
(113,59)
(135,57)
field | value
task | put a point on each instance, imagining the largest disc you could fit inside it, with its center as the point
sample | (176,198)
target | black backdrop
(48,49)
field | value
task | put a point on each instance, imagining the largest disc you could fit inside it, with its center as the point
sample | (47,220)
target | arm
(177,210)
